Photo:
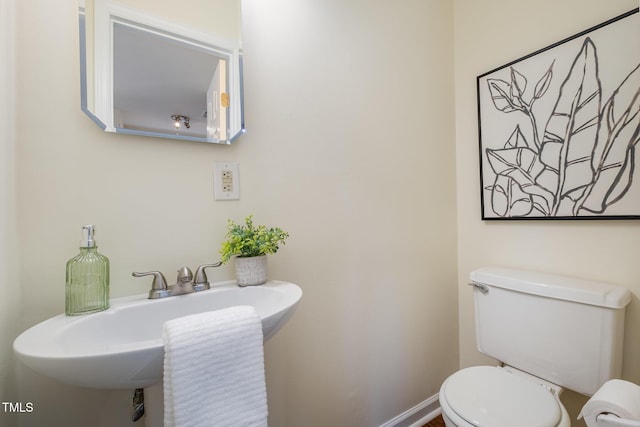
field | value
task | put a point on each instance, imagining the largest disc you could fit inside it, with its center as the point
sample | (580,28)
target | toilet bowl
(487,396)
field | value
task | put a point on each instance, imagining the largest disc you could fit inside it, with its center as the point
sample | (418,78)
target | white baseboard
(417,416)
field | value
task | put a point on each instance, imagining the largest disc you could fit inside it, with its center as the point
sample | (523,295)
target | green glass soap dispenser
(87,284)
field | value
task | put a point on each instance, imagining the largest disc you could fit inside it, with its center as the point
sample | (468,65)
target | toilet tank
(567,331)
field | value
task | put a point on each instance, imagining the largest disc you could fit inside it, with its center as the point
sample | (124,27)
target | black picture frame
(559,128)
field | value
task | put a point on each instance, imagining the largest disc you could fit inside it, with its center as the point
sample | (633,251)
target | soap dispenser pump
(87,278)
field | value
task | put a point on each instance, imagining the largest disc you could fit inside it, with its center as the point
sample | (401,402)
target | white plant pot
(251,271)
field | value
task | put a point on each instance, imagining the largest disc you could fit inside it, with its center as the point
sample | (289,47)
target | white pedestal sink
(121,348)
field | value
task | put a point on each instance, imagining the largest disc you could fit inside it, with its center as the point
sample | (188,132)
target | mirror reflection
(157,70)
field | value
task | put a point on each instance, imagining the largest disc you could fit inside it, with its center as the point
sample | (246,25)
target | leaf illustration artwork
(572,146)
(508,97)
(571,132)
(515,192)
(613,160)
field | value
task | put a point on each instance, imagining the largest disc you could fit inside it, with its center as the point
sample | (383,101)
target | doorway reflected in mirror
(141,65)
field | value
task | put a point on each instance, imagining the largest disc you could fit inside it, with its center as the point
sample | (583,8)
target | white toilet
(549,333)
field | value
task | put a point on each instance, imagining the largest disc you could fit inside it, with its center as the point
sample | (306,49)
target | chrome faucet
(186,283)
(183,282)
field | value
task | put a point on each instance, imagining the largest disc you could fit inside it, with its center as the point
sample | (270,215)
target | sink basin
(122,348)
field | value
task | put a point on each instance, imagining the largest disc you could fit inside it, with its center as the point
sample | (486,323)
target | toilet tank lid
(553,286)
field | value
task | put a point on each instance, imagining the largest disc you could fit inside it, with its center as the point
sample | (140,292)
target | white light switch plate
(226,181)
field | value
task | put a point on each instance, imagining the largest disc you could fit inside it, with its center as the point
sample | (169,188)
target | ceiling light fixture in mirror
(142,64)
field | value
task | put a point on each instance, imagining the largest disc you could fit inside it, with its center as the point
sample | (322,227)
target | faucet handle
(201,280)
(159,287)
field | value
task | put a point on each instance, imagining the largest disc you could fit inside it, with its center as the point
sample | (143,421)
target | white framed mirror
(171,71)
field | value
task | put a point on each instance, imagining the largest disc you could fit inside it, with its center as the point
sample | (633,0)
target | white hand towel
(214,370)
(617,397)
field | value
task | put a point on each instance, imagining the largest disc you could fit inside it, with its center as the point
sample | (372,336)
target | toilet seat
(487,396)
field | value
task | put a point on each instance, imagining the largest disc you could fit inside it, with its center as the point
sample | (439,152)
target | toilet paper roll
(617,397)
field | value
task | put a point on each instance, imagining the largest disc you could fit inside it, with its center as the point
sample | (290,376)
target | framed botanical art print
(559,128)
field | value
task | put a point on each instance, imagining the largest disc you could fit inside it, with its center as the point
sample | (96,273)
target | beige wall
(488,34)
(351,124)
(349,147)
(9,274)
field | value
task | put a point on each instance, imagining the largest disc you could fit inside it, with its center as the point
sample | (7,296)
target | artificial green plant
(249,240)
